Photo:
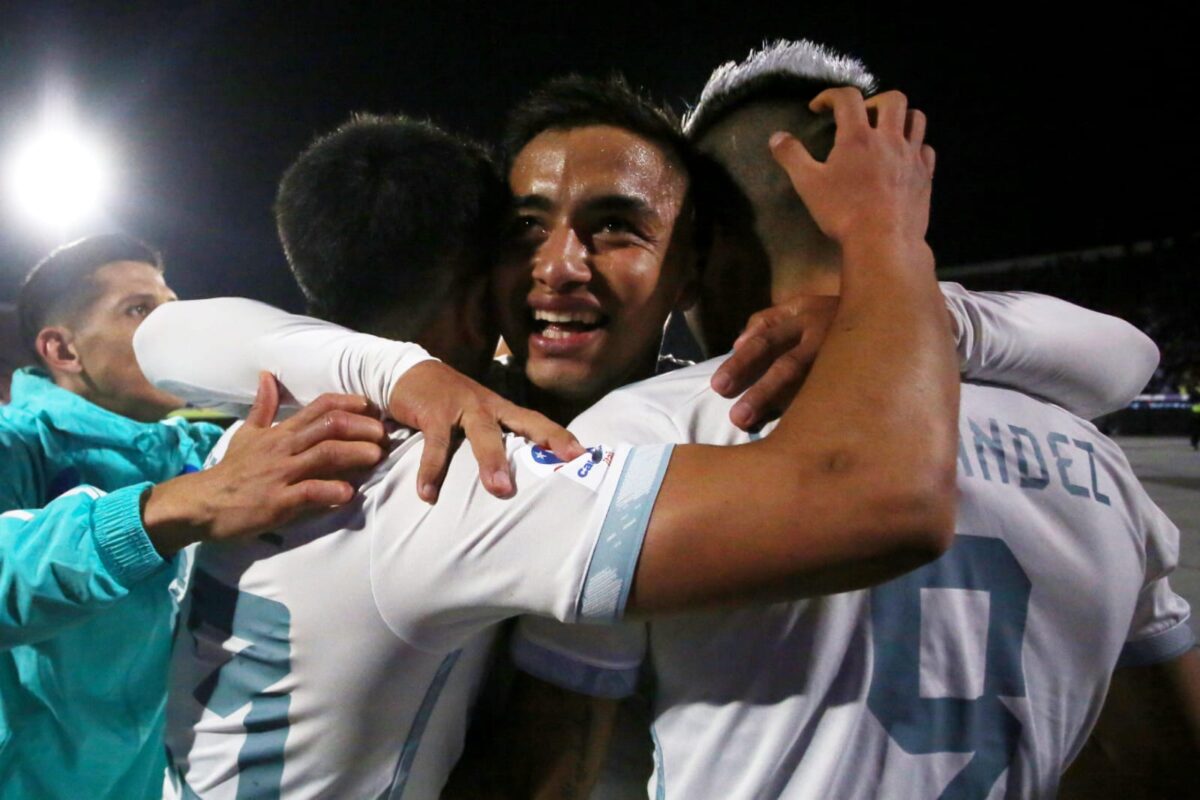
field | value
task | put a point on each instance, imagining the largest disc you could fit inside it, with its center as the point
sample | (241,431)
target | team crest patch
(540,461)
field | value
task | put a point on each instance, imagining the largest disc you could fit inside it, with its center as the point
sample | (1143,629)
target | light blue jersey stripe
(565,670)
(610,573)
(408,753)
(1158,648)
(660,773)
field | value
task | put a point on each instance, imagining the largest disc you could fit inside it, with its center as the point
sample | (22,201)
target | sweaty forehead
(577,164)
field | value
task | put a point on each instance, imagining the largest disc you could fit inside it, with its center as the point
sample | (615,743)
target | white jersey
(339,657)
(979,675)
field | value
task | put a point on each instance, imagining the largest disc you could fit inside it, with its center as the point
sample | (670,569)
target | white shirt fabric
(339,657)
(984,670)
(210,352)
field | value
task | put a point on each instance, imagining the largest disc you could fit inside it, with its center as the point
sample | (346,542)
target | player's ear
(55,346)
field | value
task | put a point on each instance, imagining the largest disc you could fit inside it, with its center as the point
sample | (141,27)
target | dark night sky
(1052,134)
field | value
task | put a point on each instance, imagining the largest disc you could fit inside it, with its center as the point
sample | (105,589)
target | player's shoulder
(681,388)
(1038,436)
(982,397)
(1014,408)
(676,406)
(18,423)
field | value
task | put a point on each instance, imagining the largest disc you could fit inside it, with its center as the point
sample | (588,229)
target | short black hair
(383,215)
(61,284)
(576,101)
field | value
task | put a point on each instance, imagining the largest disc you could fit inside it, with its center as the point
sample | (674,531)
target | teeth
(555,333)
(585,317)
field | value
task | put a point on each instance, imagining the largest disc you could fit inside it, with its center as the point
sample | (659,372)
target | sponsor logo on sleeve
(588,470)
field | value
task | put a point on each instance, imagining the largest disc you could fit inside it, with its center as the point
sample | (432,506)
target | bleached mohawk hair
(780,62)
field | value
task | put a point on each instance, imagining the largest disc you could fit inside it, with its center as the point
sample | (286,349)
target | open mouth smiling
(565,324)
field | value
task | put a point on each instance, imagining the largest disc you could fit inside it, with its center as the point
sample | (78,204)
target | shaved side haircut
(741,105)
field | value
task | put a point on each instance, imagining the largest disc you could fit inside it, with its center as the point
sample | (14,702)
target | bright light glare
(58,179)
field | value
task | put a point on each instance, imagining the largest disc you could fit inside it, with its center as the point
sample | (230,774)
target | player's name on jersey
(1044,461)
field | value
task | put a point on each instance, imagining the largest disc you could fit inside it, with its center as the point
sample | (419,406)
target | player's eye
(615,230)
(524,227)
(139,309)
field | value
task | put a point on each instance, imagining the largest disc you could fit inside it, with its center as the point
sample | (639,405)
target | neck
(559,409)
(792,277)
(84,387)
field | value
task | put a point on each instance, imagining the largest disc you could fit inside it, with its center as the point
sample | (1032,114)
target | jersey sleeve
(210,352)
(61,564)
(1088,363)
(625,416)
(598,661)
(564,546)
(601,661)
(1160,630)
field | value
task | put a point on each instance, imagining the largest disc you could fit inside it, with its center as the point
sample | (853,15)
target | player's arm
(86,550)
(210,352)
(857,482)
(1088,363)
(1146,743)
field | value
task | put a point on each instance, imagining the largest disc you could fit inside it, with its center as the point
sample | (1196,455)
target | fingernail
(428,492)
(501,481)
(721,383)
(777,138)
(740,414)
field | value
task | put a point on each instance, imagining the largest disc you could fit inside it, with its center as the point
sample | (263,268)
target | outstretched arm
(1088,363)
(857,482)
(210,352)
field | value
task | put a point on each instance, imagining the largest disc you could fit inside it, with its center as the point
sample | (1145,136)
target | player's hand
(445,405)
(772,357)
(270,474)
(877,179)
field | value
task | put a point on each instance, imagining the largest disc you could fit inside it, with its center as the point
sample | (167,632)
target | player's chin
(563,377)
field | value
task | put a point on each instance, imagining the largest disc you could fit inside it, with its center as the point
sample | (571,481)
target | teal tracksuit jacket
(86,608)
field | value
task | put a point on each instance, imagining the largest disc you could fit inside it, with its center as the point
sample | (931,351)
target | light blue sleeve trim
(566,672)
(614,559)
(1160,647)
(408,753)
(121,540)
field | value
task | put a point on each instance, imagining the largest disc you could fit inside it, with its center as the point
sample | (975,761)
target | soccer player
(978,675)
(86,538)
(296,338)
(285,689)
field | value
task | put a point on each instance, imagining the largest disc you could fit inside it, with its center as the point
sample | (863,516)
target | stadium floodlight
(58,178)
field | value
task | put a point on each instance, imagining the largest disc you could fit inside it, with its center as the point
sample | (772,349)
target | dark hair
(384,214)
(575,101)
(61,284)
